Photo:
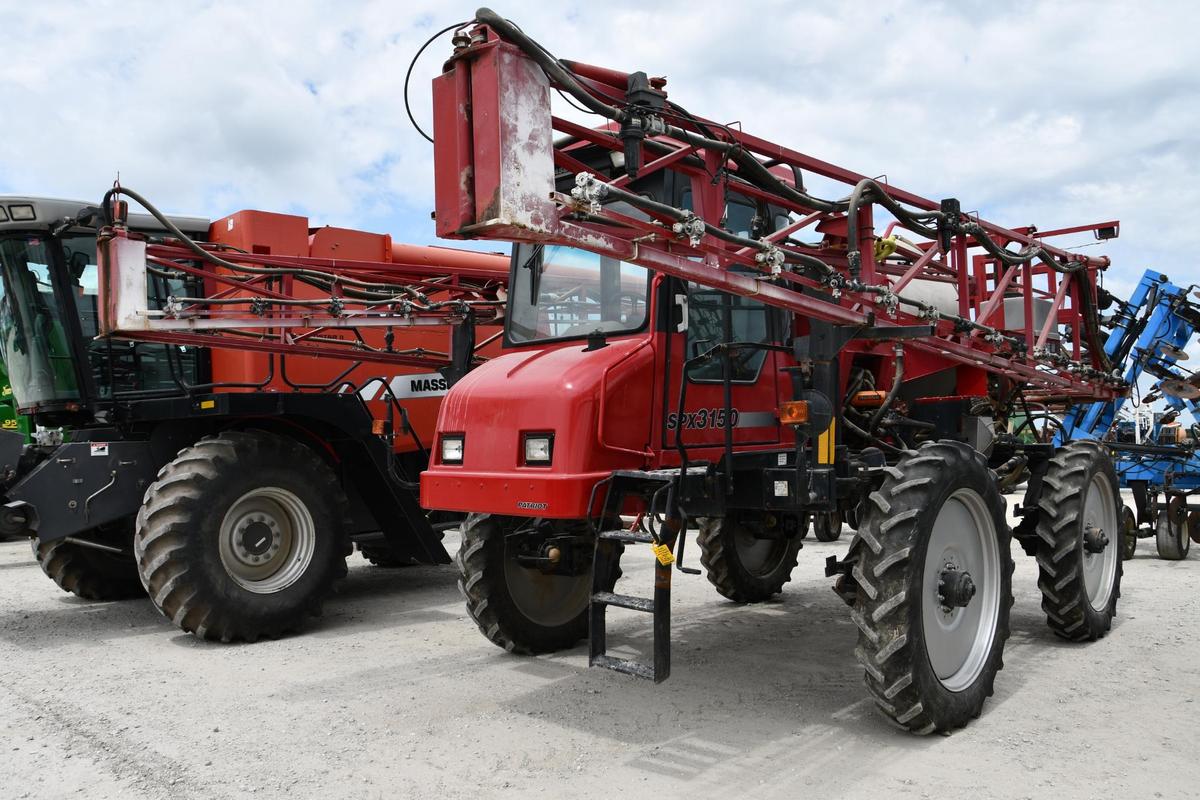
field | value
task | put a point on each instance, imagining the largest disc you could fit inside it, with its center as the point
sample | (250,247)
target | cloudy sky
(1053,113)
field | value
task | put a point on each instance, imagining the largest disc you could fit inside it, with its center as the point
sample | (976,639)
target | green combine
(10,420)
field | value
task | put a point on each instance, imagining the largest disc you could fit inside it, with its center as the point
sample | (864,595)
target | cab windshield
(562,292)
(33,341)
(35,337)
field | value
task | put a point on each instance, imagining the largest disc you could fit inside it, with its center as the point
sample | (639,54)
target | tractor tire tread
(725,573)
(888,639)
(164,536)
(1060,543)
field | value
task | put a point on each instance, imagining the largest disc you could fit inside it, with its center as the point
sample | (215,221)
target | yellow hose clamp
(885,247)
(663,553)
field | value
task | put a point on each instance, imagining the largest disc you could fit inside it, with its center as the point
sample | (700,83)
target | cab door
(757,334)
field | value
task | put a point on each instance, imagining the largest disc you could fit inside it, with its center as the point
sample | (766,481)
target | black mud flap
(393,504)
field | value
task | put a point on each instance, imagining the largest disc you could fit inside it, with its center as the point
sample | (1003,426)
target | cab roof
(49,211)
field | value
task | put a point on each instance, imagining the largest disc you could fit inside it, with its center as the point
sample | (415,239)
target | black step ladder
(609,543)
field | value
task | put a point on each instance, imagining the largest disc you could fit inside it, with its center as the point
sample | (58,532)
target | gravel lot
(393,693)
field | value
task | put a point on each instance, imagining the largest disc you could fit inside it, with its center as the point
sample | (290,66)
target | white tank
(940,295)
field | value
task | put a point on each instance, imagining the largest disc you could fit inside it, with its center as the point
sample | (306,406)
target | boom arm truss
(291,305)
(497,161)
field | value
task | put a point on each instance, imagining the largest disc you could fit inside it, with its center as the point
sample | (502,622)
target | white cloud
(1030,112)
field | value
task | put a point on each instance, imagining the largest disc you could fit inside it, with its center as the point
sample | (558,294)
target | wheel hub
(267,539)
(955,588)
(1094,540)
(256,538)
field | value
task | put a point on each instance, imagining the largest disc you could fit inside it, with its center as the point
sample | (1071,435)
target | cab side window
(705,330)
(706,314)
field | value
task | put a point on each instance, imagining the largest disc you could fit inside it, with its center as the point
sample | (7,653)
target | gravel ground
(393,693)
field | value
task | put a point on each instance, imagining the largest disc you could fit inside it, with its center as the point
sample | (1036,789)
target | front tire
(91,573)
(930,645)
(242,536)
(743,567)
(1079,534)
(521,609)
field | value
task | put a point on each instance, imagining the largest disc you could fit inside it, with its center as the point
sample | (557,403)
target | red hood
(596,403)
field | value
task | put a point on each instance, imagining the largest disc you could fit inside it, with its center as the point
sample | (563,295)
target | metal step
(624,601)
(608,550)
(635,668)
(627,537)
(660,475)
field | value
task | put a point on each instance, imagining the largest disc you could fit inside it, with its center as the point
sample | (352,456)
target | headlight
(452,449)
(539,447)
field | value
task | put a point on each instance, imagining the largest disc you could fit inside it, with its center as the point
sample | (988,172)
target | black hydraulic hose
(870,438)
(855,384)
(751,168)
(757,174)
(892,393)
(679,215)
(205,255)
(867,190)
(1091,319)
(408,76)
(551,65)
(645,203)
(754,171)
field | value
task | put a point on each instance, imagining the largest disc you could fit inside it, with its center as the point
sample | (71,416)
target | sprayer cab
(597,349)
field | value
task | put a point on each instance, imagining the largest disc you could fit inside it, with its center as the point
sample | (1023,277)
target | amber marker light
(794,412)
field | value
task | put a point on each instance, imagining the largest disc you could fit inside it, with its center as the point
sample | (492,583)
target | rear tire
(520,609)
(852,516)
(1171,534)
(930,645)
(745,569)
(242,536)
(1129,531)
(827,526)
(91,573)
(1079,588)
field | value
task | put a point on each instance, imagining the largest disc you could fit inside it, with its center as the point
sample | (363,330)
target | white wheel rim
(267,540)
(959,640)
(1100,569)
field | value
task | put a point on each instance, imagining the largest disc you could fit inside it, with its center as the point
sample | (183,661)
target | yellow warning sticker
(663,553)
